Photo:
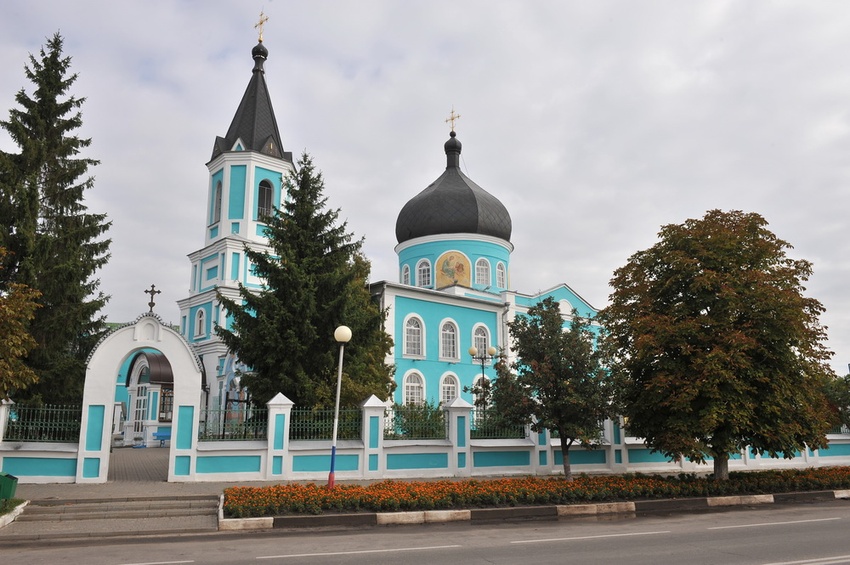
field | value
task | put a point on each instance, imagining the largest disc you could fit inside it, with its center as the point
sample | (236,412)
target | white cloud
(594,122)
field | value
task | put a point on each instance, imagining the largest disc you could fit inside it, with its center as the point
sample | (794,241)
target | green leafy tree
(17,307)
(560,378)
(315,280)
(717,345)
(838,393)
(56,246)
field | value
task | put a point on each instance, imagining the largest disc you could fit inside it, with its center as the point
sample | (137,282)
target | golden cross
(452,118)
(153,292)
(259,25)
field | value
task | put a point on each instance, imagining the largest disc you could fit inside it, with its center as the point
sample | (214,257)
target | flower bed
(388,496)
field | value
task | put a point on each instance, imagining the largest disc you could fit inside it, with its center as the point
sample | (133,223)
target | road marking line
(774,524)
(160,563)
(593,537)
(364,551)
(834,560)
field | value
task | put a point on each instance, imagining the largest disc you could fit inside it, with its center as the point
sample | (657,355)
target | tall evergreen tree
(56,245)
(315,280)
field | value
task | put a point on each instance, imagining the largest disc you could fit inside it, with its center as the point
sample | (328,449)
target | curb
(521,513)
(9,517)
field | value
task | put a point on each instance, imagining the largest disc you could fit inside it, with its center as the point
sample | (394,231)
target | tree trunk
(721,467)
(565,451)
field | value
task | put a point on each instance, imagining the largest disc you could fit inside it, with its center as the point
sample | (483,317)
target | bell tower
(246,183)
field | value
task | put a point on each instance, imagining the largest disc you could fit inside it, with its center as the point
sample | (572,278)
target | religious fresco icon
(452,269)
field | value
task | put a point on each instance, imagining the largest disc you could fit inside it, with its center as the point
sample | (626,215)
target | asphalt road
(800,534)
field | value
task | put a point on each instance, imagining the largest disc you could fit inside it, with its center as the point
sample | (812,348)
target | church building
(453,288)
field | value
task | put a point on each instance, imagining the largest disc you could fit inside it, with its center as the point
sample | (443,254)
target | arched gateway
(165,389)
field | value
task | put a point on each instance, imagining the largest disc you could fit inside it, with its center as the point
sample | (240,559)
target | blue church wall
(559,293)
(430,366)
(208,264)
(192,336)
(236,202)
(471,250)
(274,177)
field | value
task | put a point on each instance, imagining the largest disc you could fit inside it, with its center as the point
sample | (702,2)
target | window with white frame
(501,276)
(413,337)
(405,274)
(414,389)
(264,200)
(482,272)
(479,395)
(481,340)
(423,273)
(448,341)
(200,324)
(217,203)
(448,390)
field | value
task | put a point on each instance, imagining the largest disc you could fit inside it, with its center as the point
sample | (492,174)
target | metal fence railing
(842,429)
(416,421)
(243,424)
(489,424)
(309,424)
(47,423)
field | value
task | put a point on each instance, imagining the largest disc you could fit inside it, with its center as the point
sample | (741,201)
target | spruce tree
(315,280)
(56,245)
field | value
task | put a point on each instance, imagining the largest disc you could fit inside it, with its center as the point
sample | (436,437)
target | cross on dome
(452,118)
(259,25)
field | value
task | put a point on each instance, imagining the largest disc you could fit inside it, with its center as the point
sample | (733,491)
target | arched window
(413,337)
(501,276)
(264,200)
(405,274)
(482,272)
(200,325)
(423,273)
(448,341)
(481,339)
(216,217)
(481,385)
(414,389)
(448,390)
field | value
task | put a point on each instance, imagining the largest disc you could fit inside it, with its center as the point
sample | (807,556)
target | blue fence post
(280,412)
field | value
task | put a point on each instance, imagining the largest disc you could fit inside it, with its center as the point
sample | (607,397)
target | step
(79,507)
(113,514)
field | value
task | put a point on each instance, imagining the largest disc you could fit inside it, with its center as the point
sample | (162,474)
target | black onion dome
(453,204)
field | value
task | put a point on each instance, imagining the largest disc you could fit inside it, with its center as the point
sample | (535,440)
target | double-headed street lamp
(483,356)
(342,335)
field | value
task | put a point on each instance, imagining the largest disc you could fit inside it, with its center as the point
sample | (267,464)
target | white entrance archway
(146,333)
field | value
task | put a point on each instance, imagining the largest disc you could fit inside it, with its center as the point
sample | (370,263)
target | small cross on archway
(153,292)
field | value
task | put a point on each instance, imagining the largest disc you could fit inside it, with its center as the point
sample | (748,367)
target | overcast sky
(594,122)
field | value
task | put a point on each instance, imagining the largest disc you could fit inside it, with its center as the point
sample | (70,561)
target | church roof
(254,123)
(453,204)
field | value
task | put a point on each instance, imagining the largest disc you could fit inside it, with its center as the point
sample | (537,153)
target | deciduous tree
(717,344)
(560,378)
(18,304)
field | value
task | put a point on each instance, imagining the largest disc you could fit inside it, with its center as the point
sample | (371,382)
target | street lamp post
(484,356)
(342,335)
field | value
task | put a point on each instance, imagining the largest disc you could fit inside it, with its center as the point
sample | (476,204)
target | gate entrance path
(145,464)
